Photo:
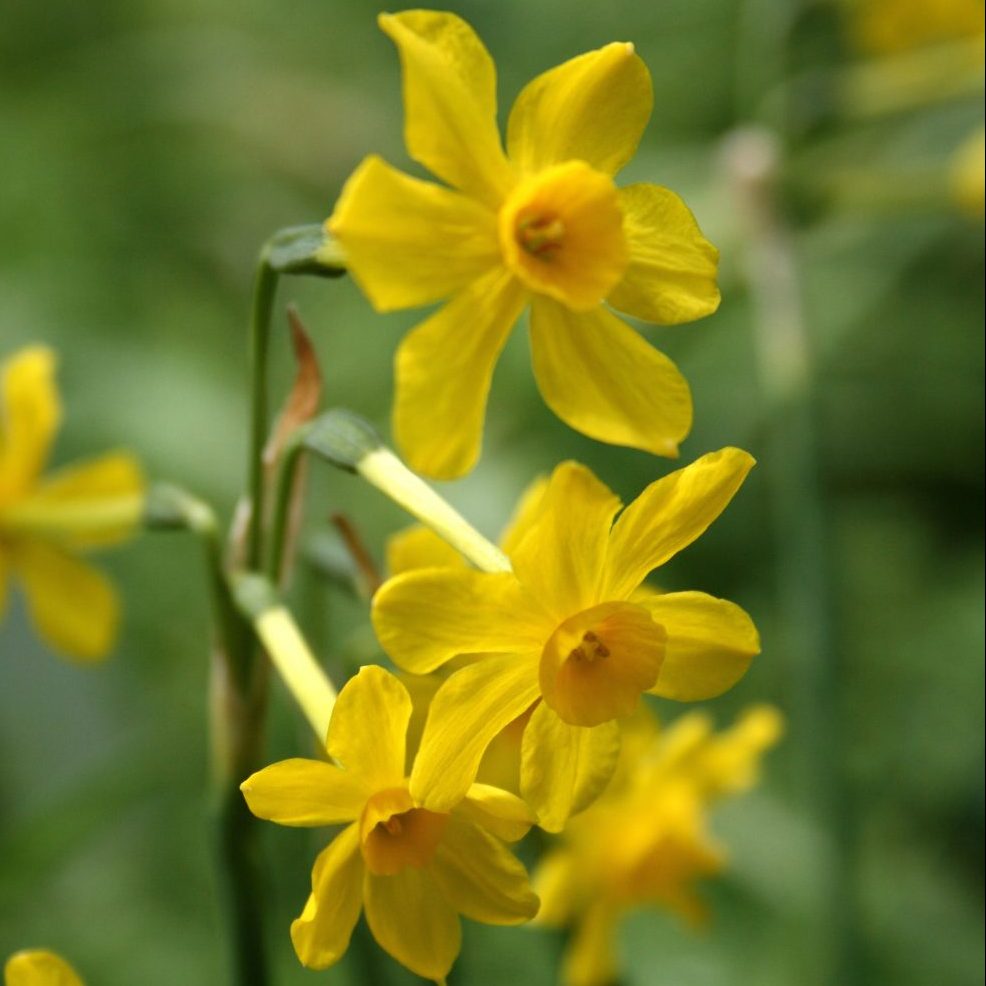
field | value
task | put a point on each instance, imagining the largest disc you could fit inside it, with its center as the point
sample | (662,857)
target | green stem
(802,533)
(280,520)
(265,287)
(237,691)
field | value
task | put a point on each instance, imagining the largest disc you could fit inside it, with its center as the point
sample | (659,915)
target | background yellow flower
(46,522)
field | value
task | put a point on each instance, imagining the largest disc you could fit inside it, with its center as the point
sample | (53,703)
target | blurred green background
(150,146)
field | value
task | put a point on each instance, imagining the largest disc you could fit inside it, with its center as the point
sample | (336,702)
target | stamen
(591,649)
(540,235)
(393,825)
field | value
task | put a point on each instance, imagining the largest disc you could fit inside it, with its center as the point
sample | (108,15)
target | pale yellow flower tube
(289,652)
(384,470)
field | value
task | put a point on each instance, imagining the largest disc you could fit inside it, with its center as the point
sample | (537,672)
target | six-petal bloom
(45,523)
(645,842)
(413,870)
(542,225)
(570,632)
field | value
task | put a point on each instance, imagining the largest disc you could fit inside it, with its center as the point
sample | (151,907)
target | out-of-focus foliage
(149,148)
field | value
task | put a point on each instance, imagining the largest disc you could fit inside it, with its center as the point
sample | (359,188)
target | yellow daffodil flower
(46,522)
(569,631)
(542,225)
(888,26)
(644,842)
(38,967)
(413,870)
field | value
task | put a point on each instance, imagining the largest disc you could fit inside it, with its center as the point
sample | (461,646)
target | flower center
(394,834)
(561,233)
(540,235)
(597,663)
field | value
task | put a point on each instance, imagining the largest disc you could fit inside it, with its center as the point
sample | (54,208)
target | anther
(541,235)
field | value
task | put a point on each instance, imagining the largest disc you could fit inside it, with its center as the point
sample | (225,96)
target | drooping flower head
(38,967)
(645,841)
(542,225)
(412,870)
(47,522)
(569,633)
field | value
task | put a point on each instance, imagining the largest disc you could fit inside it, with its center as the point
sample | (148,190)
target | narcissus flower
(542,225)
(47,522)
(413,870)
(645,841)
(38,967)
(569,632)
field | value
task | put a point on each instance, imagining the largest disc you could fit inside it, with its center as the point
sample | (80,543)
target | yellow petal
(561,233)
(368,731)
(420,547)
(564,768)
(730,761)
(306,792)
(710,644)
(412,921)
(672,273)
(556,881)
(471,707)
(39,967)
(450,101)
(410,242)
(89,505)
(444,368)
(481,878)
(321,934)
(525,514)
(670,514)
(602,379)
(30,413)
(592,108)
(563,557)
(591,956)
(498,811)
(597,663)
(426,617)
(74,607)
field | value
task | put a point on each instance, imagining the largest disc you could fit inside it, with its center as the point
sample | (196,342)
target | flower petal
(592,108)
(672,272)
(410,242)
(564,768)
(89,505)
(367,733)
(426,617)
(471,707)
(321,935)
(557,882)
(30,413)
(39,967)
(497,811)
(563,556)
(525,515)
(602,379)
(412,921)
(450,101)
(305,792)
(670,514)
(420,547)
(591,956)
(444,367)
(74,607)
(481,878)
(709,647)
